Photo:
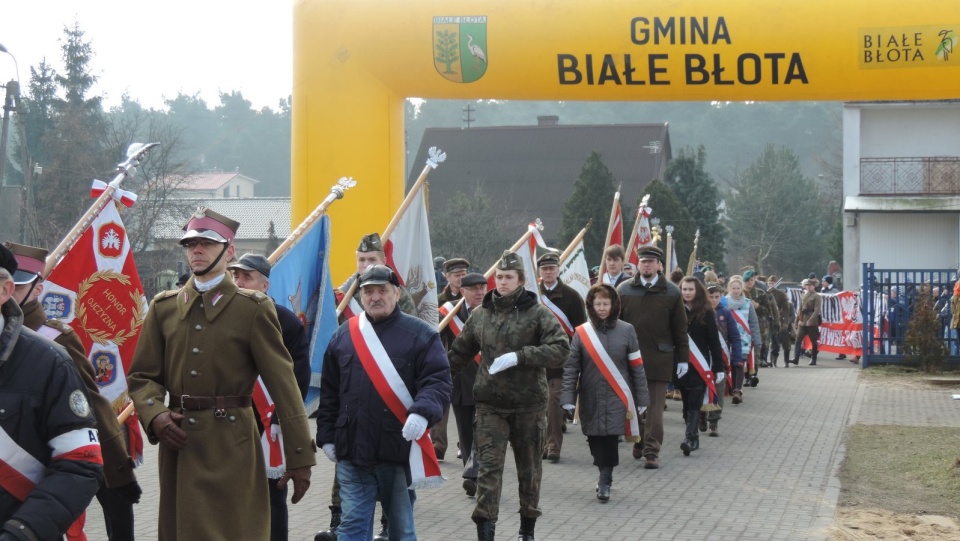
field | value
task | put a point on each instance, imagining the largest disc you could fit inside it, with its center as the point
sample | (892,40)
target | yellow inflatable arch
(356,61)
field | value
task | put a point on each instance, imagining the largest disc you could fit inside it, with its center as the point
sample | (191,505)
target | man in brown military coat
(120,489)
(205,344)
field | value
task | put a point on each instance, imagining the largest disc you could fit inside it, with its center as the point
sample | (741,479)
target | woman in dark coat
(606,371)
(702,328)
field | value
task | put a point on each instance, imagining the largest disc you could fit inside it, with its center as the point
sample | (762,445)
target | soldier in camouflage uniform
(783,338)
(767,313)
(516,334)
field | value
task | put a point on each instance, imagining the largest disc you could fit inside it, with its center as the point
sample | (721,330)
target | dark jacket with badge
(504,324)
(117,466)
(215,344)
(351,413)
(602,412)
(42,398)
(660,319)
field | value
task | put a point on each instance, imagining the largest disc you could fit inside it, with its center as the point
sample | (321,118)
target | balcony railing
(903,176)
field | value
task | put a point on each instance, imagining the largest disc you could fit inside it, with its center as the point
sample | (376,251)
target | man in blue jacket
(385,379)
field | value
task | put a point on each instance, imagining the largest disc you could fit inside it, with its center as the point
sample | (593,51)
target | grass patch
(911,470)
(890,370)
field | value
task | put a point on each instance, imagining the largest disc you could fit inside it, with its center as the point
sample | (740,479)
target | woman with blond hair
(746,317)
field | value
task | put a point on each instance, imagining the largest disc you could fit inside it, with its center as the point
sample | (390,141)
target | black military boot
(384,533)
(606,479)
(813,360)
(485,530)
(330,534)
(691,436)
(526,528)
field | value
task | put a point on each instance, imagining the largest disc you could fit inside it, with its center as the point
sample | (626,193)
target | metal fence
(888,301)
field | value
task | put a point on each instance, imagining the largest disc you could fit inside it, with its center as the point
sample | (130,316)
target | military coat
(809,315)
(215,344)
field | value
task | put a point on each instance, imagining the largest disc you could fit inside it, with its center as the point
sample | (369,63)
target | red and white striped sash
(745,330)
(700,363)
(456,326)
(424,467)
(610,372)
(352,309)
(564,320)
(271,441)
(20,471)
(725,348)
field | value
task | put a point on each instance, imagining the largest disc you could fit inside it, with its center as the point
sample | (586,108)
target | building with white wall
(901,186)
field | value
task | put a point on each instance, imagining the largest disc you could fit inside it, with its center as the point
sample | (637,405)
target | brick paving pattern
(772,473)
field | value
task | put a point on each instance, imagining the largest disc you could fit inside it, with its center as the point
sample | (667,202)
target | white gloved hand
(569,407)
(331,451)
(501,363)
(719,377)
(682,369)
(414,428)
(641,410)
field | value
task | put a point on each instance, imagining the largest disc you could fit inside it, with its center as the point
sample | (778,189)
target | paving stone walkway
(772,473)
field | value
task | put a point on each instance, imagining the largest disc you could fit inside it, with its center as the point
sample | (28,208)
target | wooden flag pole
(436,157)
(135,153)
(336,192)
(127,411)
(569,250)
(456,308)
(606,241)
(669,252)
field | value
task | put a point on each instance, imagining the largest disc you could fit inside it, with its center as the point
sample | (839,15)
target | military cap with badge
(455,264)
(370,243)
(206,224)
(549,259)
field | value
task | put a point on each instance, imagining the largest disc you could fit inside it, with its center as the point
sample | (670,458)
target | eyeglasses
(203,243)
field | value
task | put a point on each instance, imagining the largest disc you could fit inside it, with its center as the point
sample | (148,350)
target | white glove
(501,363)
(331,451)
(719,377)
(641,410)
(569,407)
(682,369)
(414,428)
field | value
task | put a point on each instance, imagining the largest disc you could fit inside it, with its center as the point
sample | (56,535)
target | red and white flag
(616,234)
(95,288)
(643,237)
(410,255)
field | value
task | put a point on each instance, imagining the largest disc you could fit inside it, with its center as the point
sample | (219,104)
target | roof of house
(211,181)
(529,171)
(253,213)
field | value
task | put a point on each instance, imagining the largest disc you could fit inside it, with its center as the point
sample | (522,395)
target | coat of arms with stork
(460,47)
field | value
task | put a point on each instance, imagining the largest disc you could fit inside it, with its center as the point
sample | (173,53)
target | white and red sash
(424,467)
(271,441)
(610,372)
(725,348)
(745,328)
(700,363)
(352,309)
(456,326)
(20,471)
(564,321)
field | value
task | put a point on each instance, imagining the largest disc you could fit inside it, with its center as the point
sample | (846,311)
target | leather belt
(189,402)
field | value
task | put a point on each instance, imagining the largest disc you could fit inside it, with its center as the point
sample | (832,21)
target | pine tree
(666,206)
(591,199)
(775,216)
(686,175)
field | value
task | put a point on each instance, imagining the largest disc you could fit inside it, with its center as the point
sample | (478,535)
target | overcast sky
(155,50)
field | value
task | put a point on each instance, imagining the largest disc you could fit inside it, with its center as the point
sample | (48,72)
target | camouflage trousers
(524,430)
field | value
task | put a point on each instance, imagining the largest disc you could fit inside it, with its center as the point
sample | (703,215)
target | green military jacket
(208,345)
(504,324)
(767,312)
